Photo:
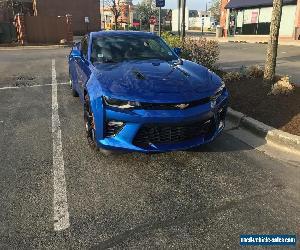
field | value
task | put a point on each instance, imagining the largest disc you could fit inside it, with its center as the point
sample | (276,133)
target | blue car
(139,95)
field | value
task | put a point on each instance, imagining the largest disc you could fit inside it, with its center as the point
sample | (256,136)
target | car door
(82,67)
(75,53)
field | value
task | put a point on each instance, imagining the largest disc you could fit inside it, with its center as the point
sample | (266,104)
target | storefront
(246,17)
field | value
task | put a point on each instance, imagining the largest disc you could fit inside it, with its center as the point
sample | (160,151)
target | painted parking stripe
(60,202)
(33,86)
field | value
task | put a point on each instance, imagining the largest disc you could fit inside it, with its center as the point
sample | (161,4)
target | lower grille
(166,134)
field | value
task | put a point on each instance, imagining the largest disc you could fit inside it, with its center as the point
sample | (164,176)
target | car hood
(155,81)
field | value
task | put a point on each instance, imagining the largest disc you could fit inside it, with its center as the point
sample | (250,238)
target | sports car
(139,95)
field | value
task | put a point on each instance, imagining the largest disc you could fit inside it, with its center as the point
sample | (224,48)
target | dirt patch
(250,96)
(24,81)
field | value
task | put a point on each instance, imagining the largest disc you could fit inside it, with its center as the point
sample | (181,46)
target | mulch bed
(250,96)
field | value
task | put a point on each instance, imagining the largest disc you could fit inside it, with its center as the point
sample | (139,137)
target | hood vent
(139,75)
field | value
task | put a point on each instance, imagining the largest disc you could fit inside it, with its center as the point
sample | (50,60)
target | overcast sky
(191,4)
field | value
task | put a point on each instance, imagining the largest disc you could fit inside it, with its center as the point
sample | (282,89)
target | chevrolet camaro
(139,95)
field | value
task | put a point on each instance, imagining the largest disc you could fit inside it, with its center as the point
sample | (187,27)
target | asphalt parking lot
(233,55)
(196,199)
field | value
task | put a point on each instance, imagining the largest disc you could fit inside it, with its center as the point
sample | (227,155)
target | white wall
(265,15)
(196,22)
(175,19)
(287,25)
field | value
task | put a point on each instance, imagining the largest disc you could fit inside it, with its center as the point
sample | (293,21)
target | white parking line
(33,86)
(60,202)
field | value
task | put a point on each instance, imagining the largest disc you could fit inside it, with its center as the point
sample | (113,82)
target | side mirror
(177,51)
(76,53)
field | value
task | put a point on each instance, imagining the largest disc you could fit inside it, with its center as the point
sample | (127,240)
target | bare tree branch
(115,7)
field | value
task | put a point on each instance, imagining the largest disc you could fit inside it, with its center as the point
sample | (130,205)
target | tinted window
(84,46)
(109,49)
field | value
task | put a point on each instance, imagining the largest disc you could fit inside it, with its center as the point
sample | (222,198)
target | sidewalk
(255,39)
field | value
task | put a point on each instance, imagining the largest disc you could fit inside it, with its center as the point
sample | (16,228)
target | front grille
(165,134)
(175,105)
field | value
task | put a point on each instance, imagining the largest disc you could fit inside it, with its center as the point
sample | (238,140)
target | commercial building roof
(243,4)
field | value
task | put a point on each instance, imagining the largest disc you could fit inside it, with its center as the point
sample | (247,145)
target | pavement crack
(162,224)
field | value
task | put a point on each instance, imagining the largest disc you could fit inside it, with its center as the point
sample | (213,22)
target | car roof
(122,33)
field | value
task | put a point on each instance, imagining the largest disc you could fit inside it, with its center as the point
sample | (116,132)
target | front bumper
(134,120)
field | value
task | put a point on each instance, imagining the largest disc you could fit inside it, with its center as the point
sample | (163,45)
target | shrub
(282,87)
(254,71)
(231,77)
(171,39)
(201,50)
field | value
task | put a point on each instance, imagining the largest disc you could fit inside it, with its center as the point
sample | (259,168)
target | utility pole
(104,18)
(270,65)
(159,22)
(100,15)
(183,19)
(179,21)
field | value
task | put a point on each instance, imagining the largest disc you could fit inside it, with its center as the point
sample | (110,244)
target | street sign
(203,20)
(153,20)
(160,3)
(86,19)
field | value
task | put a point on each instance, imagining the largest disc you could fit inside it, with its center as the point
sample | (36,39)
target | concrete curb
(33,47)
(275,136)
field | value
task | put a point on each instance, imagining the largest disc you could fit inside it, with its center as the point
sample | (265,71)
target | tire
(89,124)
(73,91)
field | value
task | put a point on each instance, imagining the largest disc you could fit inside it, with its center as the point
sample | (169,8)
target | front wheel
(73,91)
(89,123)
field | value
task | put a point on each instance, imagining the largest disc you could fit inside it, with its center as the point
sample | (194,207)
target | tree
(215,9)
(145,10)
(116,9)
(270,65)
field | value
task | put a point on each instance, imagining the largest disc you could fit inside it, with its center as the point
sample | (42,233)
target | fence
(44,29)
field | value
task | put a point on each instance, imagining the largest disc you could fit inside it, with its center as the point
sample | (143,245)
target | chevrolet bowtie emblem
(182,106)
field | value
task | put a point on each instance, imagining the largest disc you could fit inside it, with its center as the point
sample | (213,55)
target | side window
(154,45)
(84,46)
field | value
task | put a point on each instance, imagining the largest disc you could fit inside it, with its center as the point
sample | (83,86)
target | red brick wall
(297,22)
(79,9)
(223,15)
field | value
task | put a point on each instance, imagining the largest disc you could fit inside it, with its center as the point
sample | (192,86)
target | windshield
(118,48)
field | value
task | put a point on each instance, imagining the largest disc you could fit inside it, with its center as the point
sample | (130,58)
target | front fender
(94,91)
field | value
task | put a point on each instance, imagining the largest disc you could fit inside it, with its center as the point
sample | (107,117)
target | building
(253,17)
(126,18)
(195,20)
(85,13)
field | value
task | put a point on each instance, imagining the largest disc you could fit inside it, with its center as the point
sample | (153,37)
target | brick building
(79,9)
(253,17)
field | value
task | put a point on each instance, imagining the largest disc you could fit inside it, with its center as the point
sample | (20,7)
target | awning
(244,4)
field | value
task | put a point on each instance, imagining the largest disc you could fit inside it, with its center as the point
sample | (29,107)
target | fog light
(221,124)
(113,128)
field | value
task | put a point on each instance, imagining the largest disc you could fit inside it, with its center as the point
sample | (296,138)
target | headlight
(219,92)
(120,103)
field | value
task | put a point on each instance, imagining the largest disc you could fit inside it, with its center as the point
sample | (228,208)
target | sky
(191,4)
